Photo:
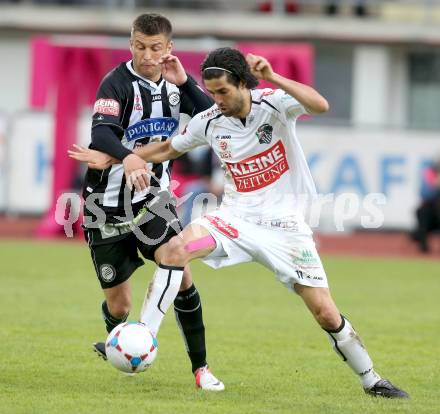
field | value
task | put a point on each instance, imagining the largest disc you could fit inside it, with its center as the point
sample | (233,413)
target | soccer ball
(130,347)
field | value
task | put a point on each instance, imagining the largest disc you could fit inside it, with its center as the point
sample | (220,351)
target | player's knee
(327,317)
(175,253)
(119,308)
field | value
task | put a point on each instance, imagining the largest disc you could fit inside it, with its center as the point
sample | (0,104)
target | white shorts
(289,252)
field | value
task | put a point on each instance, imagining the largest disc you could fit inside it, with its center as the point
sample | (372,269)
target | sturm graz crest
(174,98)
(264,133)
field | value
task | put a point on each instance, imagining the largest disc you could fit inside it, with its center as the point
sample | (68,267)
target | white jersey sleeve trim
(288,104)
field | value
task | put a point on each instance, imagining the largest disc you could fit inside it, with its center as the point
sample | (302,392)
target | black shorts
(116,258)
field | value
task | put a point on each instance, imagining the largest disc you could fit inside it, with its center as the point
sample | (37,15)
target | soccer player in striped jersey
(137,103)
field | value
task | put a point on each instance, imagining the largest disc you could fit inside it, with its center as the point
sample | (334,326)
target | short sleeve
(193,136)
(289,104)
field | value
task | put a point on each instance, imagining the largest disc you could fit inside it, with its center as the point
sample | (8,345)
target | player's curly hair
(234,64)
(152,24)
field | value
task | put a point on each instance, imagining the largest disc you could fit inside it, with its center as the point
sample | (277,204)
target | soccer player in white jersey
(252,131)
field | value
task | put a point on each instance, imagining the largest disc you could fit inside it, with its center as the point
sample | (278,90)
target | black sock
(189,317)
(110,321)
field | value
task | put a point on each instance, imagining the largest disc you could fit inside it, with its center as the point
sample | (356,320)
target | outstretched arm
(158,152)
(308,97)
(155,153)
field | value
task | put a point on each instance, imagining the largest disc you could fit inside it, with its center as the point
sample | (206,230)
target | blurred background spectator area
(377,62)
(388,9)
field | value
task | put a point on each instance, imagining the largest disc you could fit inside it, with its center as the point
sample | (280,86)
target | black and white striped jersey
(137,111)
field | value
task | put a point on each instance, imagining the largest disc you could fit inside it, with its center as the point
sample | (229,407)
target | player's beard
(236,107)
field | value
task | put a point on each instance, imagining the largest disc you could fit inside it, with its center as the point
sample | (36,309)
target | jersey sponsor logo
(174,98)
(305,259)
(150,127)
(268,93)
(157,97)
(259,170)
(264,133)
(106,107)
(222,137)
(146,85)
(211,113)
(226,155)
(137,103)
(223,227)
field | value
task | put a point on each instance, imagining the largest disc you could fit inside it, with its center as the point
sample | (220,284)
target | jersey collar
(152,86)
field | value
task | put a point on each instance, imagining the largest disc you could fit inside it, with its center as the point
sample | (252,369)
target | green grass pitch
(262,342)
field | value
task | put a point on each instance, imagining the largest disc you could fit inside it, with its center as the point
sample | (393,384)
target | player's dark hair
(152,24)
(234,64)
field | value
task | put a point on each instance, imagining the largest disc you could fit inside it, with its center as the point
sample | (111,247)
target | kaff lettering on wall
(348,173)
(106,107)
(259,170)
(43,163)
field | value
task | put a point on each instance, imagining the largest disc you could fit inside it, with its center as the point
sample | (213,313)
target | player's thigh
(197,241)
(156,233)
(115,261)
(192,242)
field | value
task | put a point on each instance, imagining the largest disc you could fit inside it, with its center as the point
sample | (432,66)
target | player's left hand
(260,67)
(172,70)
(95,159)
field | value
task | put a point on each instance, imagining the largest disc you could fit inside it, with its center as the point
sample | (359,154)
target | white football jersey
(266,173)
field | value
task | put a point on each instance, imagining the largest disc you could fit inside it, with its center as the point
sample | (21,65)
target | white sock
(349,347)
(160,295)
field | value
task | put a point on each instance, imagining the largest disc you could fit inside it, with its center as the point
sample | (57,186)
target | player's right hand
(95,159)
(260,67)
(136,172)
(172,70)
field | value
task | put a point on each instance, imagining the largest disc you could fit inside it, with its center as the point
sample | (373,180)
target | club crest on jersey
(107,273)
(165,126)
(264,133)
(174,98)
(223,145)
